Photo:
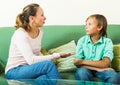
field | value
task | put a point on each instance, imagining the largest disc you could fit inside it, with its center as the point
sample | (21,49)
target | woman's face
(39,19)
(92,27)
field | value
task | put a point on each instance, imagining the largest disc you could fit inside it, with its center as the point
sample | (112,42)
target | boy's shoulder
(107,39)
(83,38)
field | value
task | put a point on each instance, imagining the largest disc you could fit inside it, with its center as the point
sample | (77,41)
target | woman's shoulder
(19,33)
(20,30)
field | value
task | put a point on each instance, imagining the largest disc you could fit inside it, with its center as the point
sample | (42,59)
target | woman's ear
(31,18)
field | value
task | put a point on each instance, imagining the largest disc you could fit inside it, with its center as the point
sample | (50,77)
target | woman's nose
(44,18)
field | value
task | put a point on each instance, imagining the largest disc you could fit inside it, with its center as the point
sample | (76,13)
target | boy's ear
(100,28)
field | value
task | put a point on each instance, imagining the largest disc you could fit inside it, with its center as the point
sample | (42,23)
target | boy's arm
(96,63)
(97,69)
(106,59)
(79,64)
(79,49)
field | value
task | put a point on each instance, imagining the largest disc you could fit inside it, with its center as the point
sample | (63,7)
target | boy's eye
(89,23)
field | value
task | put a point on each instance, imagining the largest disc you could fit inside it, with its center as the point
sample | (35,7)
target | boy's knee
(82,71)
(83,74)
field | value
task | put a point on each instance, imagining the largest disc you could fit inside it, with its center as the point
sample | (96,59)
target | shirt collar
(99,41)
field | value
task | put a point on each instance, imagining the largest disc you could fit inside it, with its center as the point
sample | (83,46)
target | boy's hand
(78,62)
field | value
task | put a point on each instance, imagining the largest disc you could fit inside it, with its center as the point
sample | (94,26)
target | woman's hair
(102,21)
(22,20)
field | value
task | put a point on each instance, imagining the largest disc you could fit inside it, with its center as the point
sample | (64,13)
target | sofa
(54,36)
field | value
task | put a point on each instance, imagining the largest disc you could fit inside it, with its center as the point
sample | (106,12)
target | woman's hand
(64,55)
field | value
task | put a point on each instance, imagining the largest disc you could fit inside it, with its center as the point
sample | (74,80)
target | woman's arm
(22,44)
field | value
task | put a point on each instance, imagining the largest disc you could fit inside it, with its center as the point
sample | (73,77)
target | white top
(25,50)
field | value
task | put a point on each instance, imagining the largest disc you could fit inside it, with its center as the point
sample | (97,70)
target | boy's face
(92,27)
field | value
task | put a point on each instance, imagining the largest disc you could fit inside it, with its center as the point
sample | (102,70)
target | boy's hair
(102,21)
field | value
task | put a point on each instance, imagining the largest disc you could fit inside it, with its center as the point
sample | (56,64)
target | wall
(62,12)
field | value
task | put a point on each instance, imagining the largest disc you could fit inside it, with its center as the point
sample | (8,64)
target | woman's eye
(42,15)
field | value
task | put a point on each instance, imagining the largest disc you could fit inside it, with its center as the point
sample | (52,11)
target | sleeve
(79,49)
(22,43)
(108,52)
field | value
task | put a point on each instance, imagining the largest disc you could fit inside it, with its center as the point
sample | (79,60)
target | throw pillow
(65,64)
(116,60)
(116,49)
(1,68)
(44,51)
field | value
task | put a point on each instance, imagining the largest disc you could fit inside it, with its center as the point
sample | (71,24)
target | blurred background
(62,12)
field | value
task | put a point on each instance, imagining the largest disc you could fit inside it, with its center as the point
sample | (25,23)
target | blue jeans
(108,76)
(37,71)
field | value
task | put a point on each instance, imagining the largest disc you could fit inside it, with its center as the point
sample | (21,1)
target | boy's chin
(87,34)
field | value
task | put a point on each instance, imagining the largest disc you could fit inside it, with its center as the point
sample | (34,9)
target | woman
(25,59)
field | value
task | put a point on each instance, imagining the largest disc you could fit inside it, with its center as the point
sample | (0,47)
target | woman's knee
(49,63)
